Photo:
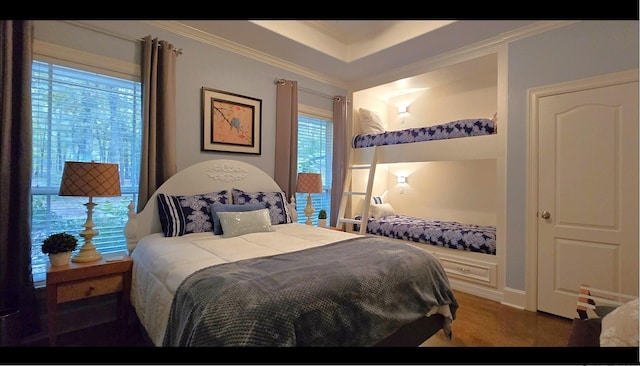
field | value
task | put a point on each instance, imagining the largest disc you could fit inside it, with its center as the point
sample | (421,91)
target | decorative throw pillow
(376,200)
(370,122)
(276,202)
(180,215)
(218,207)
(620,327)
(380,210)
(585,333)
(240,223)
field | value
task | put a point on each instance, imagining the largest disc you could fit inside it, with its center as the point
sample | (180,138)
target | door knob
(545,215)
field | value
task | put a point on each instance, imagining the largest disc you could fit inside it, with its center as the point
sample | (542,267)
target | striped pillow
(181,215)
(378,200)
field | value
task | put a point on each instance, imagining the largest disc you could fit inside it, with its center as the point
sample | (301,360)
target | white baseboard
(514,298)
(477,290)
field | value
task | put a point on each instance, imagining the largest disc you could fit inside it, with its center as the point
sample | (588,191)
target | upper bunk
(464,139)
(449,113)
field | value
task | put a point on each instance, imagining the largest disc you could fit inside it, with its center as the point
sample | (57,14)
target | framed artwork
(231,122)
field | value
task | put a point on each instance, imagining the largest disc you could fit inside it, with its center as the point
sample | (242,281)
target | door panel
(588,182)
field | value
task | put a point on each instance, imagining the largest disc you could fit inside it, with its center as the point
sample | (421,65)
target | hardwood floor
(484,331)
(479,322)
(485,323)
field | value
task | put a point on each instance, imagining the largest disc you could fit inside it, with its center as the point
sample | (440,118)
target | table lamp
(309,183)
(92,179)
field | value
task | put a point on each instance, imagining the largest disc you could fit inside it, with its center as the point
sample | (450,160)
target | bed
(448,130)
(265,280)
(446,234)
(373,132)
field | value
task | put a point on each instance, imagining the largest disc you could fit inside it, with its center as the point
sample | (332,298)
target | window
(81,116)
(315,155)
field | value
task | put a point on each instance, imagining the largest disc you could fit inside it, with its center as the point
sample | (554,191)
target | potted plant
(59,247)
(322,218)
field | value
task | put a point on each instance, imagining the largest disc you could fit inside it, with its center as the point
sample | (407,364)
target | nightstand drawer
(89,288)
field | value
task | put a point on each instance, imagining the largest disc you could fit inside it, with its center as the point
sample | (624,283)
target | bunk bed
(383,221)
(467,251)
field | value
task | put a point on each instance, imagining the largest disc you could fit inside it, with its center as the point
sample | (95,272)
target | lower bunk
(467,252)
(448,234)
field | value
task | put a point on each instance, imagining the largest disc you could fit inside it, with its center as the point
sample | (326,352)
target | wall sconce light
(403,109)
(402,180)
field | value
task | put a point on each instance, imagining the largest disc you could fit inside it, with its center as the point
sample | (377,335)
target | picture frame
(231,122)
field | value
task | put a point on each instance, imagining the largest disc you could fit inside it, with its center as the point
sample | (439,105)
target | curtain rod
(117,35)
(282,81)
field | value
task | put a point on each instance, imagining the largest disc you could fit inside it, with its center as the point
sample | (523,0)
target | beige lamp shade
(90,179)
(309,183)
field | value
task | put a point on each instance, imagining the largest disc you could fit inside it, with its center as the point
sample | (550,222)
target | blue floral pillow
(181,215)
(276,202)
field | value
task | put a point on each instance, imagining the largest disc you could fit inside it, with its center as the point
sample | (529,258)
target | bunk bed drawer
(469,269)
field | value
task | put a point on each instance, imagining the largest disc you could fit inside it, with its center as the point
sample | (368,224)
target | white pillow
(620,327)
(240,223)
(380,210)
(370,122)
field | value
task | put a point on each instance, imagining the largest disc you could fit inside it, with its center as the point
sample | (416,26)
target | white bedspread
(160,264)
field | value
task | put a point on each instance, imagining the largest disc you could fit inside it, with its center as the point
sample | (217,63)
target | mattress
(448,234)
(449,130)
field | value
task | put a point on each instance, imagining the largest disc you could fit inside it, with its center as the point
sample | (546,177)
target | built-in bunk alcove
(449,178)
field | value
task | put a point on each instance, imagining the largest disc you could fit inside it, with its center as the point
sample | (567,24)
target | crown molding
(480,48)
(458,55)
(212,40)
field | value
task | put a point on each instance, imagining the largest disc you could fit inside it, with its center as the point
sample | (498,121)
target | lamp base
(86,255)
(309,210)
(88,252)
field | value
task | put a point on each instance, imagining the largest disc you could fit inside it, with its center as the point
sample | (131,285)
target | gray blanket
(350,293)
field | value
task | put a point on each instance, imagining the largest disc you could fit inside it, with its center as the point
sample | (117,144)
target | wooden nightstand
(77,281)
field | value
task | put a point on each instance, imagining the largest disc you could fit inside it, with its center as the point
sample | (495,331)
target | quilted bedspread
(449,130)
(448,234)
(353,292)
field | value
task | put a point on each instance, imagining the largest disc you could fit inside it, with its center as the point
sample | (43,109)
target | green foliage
(59,243)
(322,214)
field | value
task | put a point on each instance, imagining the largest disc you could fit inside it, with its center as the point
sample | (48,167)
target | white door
(587,194)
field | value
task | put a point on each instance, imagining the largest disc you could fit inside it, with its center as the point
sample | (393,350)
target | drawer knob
(461,269)
(89,290)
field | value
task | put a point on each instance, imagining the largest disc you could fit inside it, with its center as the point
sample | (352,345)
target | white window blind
(315,155)
(81,116)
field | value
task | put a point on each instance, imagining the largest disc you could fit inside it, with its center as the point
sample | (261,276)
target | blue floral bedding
(448,234)
(449,130)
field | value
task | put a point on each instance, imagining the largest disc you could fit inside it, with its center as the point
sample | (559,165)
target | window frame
(89,62)
(323,202)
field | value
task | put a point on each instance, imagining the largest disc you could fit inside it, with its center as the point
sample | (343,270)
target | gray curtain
(158,158)
(17,292)
(286,166)
(339,155)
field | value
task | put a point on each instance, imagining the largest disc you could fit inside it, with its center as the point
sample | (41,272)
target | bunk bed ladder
(347,192)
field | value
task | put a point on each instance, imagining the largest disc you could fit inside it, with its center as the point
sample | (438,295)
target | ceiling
(346,51)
